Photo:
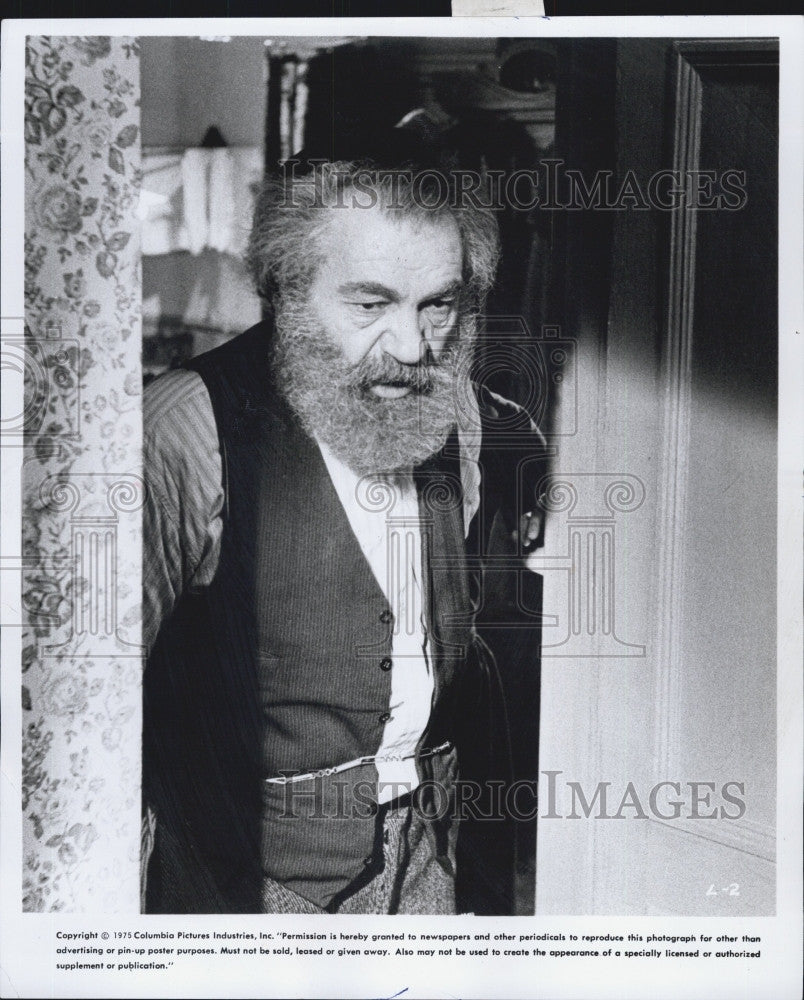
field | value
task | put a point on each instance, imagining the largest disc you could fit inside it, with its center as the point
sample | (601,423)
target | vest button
(385,716)
(387,617)
(369,861)
(386,664)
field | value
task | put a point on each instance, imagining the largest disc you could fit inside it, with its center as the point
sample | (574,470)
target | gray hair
(285,247)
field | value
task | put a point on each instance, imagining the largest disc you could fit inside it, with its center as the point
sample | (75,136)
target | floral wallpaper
(82,491)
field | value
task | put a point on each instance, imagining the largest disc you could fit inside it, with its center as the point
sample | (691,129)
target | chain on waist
(325,772)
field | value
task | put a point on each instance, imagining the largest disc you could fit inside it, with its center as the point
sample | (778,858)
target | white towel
(195,181)
(221,200)
(160,203)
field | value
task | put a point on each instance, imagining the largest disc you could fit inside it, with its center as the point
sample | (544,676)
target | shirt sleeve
(182,522)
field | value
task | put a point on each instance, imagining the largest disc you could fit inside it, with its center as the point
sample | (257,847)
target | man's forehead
(363,244)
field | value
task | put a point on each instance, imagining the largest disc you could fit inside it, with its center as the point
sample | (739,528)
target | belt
(325,772)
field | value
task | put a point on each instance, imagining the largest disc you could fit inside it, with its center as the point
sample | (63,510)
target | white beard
(336,405)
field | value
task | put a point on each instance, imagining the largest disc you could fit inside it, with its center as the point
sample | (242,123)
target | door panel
(680,395)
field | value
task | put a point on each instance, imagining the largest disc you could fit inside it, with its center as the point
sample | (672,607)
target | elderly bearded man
(311,486)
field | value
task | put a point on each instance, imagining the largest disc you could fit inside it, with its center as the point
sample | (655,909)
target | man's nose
(405,338)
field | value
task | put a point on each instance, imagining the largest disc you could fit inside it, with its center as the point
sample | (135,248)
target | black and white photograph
(401,446)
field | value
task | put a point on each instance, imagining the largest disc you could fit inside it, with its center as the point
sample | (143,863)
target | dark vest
(276,667)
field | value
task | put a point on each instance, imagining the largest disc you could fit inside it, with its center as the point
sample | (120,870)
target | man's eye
(369,306)
(440,309)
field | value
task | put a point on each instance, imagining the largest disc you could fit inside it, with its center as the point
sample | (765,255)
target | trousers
(411,880)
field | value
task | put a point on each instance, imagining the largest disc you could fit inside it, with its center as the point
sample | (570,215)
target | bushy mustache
(384,369)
